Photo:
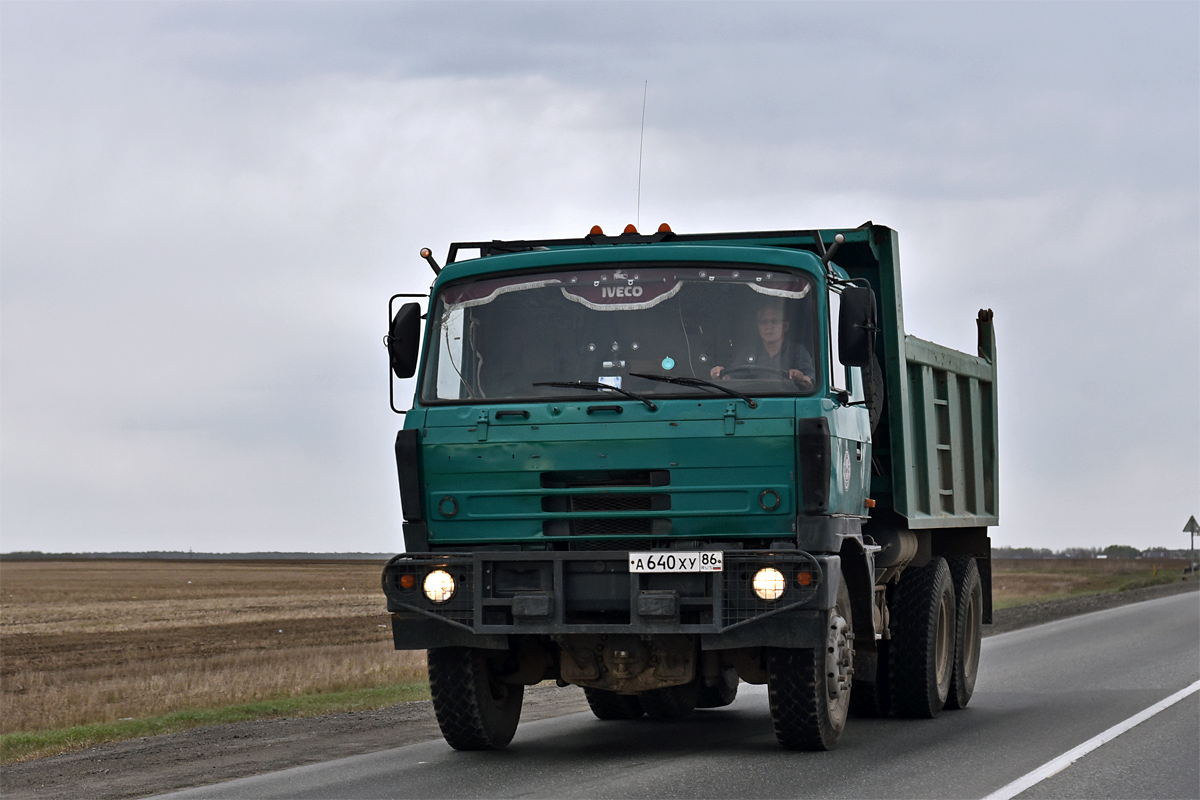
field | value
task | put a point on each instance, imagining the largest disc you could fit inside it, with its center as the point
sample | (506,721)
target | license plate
(713,561)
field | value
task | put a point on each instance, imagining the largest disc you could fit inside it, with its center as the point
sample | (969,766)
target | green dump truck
(655,465)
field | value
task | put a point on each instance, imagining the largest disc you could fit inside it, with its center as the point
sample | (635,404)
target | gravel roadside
(142,767)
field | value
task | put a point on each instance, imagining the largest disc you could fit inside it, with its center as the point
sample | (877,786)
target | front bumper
(557,593)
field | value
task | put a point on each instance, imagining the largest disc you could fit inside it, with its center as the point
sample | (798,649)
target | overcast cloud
(204,207)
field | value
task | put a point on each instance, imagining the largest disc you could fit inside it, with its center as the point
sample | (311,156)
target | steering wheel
(751,371)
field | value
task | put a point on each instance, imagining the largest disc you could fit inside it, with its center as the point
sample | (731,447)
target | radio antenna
(641,141)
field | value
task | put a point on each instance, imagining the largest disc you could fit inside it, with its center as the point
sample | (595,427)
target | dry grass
(75,596)
(41,699)
(1019,581)
(98,641)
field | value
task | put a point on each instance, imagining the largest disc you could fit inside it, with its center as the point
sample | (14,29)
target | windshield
(748,330)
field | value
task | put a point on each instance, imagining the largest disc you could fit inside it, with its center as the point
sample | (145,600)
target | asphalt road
(1042,691)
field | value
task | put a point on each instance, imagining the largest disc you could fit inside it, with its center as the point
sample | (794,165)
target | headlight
(439,586)
(768,583)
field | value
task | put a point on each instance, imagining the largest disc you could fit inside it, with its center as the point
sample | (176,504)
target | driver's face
(771,326)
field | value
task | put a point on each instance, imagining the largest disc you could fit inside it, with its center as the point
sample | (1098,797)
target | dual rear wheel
(968,592)
(933,655)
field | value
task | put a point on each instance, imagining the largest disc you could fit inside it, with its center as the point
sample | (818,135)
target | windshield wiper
(599,387)
(696,382)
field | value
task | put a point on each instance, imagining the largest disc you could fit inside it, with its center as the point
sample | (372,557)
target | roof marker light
(664,228)
(596,231)
(427,254)
(630,228)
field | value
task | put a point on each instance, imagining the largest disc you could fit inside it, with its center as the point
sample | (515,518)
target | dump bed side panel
(951,411)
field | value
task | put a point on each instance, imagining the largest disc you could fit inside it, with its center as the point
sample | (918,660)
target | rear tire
(922,644)
(612,706)
(968,592)
(809,690)
(720,694)
(673,702)
(474,710)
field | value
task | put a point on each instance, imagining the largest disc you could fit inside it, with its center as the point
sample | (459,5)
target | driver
(775,351)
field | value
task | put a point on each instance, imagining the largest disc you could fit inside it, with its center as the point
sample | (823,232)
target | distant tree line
(1112,551)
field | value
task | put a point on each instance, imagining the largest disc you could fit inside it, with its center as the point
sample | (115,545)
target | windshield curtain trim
(812,278)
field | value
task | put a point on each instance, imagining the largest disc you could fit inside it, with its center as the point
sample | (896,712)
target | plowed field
(98,641)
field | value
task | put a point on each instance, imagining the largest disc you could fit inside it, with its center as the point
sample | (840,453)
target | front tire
(809,690)
(474,710)
(922,645)
(612,706)
(968,592)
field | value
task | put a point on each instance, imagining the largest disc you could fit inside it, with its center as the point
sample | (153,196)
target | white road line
(1071,756)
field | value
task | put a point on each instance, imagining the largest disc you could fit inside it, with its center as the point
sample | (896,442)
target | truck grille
(593,502)
(607,526)
(566,503)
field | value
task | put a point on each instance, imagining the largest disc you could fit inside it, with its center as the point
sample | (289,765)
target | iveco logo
(621,291)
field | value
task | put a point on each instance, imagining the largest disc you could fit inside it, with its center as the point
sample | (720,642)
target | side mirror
(404,340)
(856,326)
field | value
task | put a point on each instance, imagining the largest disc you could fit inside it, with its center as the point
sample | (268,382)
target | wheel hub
(839,657)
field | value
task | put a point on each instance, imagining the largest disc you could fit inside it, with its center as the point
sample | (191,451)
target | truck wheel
(922,644)
(968,591)
(809,690)
(871,699)
(610,705)
(722,693)
(673,702)
(474,710)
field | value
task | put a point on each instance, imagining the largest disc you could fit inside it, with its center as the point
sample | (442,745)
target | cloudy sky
(204,207)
